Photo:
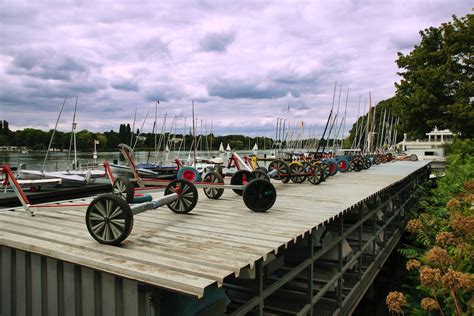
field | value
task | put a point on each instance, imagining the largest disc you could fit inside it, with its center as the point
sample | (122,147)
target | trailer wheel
(316,174)
(189,173)
(241,177)
(109,219)
(213,193)
(124,188)
(259,174)
(259,195)
(187,196)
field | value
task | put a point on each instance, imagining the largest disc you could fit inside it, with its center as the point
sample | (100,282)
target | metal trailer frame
(264,292)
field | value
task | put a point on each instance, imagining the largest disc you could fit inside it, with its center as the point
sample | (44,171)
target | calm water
(58,160)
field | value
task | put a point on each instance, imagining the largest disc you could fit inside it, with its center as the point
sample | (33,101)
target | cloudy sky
(243,62)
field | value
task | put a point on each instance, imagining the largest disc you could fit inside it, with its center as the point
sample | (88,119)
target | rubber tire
(297,168)
(259,195)
(316,174)
(185,170)
(127,216)
(237,179)
(326,169)
(259,174)
(334,167)
(193,190)
(217,193)
(126,190)
(283,164)
(345,163)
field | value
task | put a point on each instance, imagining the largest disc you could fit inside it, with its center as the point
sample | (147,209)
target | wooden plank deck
(188,253)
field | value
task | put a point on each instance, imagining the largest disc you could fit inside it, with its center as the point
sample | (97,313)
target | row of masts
(172,136)
(372,132)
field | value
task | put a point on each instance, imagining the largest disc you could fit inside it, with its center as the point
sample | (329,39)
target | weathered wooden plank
(187,253)
(145,273)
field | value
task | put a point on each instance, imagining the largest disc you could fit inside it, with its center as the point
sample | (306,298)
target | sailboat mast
(356,125)
(74,126)
(155,127)
(141,128)
(133,126)
(194,137)
(329,119)
(366,148)
(344,119)
(54,131)
(184,133)
(374,123)
(73,137)
(382,130)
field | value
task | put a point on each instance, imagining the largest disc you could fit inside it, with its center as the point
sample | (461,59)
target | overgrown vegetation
(440,246)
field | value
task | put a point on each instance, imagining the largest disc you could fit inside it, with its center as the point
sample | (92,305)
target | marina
(234,158)
(219,245)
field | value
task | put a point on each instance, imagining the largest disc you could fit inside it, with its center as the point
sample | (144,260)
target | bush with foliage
(440,247)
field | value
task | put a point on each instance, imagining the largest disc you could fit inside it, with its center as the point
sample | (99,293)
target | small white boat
(125,170)
(221,148)
(228,148)
(255,149)
(66,178)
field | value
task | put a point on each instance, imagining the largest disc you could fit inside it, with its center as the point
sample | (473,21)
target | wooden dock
(219,238)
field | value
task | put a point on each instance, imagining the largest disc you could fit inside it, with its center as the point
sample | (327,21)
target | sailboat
(255,149)
(228,148)
(221,149)
(74,176)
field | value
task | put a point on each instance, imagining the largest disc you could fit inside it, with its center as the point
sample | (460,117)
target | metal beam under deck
(372,229)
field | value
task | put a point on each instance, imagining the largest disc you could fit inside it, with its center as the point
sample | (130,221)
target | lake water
(59,161)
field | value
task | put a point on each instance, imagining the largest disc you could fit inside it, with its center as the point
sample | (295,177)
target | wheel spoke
(187,202)
(118,222)
(100,207)
(106,233)
(116,212)
(108,207)
(98,228)
(95,217)
(114,230)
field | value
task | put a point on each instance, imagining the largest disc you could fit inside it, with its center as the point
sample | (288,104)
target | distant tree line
(108,141)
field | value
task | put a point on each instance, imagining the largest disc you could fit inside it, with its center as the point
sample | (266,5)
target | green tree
(437,84)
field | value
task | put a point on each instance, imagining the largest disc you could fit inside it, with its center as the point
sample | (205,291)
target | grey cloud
(162,93)
(292,77)
(125,85)
(217,42)
(239,89)
(115,57)
(45,64)
(154,48)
